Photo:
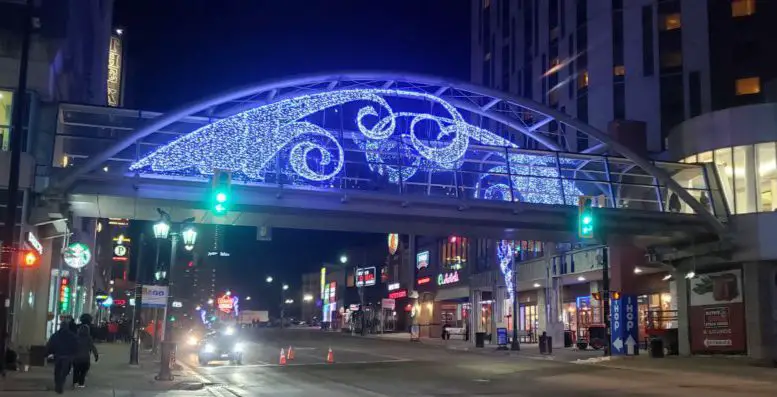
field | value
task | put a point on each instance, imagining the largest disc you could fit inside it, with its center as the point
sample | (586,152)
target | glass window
(582,79)
(723,163)
(619,70)
(670,21)
(705,157)
(742,8)
(6,105)
(671,59)
(744,175)
(748,86)
(766,169)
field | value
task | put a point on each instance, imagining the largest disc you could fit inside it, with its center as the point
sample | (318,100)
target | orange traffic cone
(290,354)
(283,358)
(330,357)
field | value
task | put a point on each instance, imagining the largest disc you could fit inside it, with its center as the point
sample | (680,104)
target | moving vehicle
(221,346)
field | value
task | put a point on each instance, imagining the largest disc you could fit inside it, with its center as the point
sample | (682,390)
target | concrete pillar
(683,322)
(759,284)
(624,257)
(408,271)
(474,315)
(554,324)
(542,312)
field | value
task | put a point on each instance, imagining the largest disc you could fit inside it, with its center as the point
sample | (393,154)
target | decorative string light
(248,142)
(505,254)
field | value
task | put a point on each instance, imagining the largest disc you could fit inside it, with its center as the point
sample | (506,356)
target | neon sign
(227,304)
(393,286)
(393,243)
(365,277)
(77,255)
(448,278)
(422,260)
(424,280)
(398,294)
(64,295)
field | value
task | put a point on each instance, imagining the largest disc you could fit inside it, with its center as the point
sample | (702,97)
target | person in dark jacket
(82,362)
(63,345)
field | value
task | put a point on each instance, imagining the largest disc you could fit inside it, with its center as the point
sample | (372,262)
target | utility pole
(8,237)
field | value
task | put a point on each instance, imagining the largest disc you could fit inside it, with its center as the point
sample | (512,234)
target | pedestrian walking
(82,361)
(63,345)
(113,330)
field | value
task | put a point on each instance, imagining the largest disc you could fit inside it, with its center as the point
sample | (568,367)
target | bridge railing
(389,166)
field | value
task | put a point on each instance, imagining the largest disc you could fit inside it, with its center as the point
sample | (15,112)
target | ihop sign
(448,278)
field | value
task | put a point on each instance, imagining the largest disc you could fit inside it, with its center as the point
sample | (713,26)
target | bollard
(549,345)
(543,344)
(167,362)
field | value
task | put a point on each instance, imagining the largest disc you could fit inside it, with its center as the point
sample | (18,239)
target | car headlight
(229,331)
(192,341)
(210,348)
(238,347)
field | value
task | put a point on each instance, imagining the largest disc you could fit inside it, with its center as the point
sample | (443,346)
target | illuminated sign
(114,71)
(393,243)
(120,253)
(393,286)
(177,304)
(64,295)
(422,260)
(323,281)
(402,293)
(118,221)
(119,302)
(77,255)
(34,243)
(365,277)
(107,302)
(448,278)
(226,303)
(424,280)
(215,253)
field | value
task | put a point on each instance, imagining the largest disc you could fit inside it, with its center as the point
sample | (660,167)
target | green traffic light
(220,208)
(221,197)
(587,220)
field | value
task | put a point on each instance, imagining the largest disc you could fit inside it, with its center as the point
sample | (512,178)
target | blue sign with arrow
(624,321)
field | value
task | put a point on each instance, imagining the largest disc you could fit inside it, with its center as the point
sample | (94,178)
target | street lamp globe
(161,229)
(343,259)
(189,236)
(285,287)
(248,298)
(307,298)
(269,279)
(210,301)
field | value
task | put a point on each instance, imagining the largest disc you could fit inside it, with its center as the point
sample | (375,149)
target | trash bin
(657,348)
(480,339)
(568,339)
(549,345)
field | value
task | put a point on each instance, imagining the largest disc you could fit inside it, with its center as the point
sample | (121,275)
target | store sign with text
(424,280)
(398,294)
(393,286)
(365,277)
(34,243)
(448,278)
(422,260)
(717,318)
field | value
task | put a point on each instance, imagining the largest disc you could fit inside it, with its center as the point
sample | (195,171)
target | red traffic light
(616,295)
(30,259)
(597,295)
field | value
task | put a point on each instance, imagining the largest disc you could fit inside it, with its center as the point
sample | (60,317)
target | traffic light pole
(135,345)
(8,237)
(606,298)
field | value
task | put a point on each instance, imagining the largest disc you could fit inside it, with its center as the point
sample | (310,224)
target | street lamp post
(284,302)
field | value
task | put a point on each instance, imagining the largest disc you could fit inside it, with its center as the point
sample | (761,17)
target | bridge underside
(278,207)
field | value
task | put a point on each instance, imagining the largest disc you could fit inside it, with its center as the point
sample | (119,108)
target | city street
(372,367)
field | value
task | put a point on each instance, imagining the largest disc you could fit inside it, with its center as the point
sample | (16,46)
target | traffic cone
(330,357)
(283,358)
(290,354)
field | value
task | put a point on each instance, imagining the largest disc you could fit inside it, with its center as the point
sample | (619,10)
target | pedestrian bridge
(382,152)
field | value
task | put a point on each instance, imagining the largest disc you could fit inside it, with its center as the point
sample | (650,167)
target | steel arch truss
(413,134)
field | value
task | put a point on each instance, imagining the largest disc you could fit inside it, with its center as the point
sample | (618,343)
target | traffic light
(597,295)
(30,259)
(221,192)
(615,295)
(585,217)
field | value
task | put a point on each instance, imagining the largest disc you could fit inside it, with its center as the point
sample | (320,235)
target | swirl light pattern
(290,141)
(505,255)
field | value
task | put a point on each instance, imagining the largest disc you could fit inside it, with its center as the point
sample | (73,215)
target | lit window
(486,3)
(619,70)
(748,86)
(671,21)
(742,8)
(6,102)
(673,59)
(582,79)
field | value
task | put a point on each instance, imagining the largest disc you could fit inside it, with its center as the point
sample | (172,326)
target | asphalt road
(370,367)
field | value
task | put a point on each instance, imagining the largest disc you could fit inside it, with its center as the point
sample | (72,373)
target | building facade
(654,63)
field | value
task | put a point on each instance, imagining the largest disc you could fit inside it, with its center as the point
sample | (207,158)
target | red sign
(402,293)
(226,304)
(717,313)
(119,302)
(424,280)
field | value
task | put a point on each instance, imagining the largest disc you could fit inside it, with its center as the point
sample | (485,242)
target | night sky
(181,50)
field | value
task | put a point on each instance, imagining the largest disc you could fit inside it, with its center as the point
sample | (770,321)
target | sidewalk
(528,350)
(724,366)
(112,375)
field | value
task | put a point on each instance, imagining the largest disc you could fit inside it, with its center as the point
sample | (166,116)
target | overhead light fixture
(667,277)
(536,285)
(637,270)
(580,278)
(690,274)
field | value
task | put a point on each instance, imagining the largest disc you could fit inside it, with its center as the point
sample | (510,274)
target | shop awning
(452,293)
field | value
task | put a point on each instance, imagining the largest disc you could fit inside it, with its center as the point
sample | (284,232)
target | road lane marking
(360,362)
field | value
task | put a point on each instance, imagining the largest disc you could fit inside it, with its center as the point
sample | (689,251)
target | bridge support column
(623,258)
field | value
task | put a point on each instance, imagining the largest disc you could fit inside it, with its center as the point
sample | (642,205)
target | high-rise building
(654,62)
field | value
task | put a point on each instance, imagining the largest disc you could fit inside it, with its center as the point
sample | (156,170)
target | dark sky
(181,50)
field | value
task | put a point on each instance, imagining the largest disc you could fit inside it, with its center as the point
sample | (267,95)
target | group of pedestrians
(72,347)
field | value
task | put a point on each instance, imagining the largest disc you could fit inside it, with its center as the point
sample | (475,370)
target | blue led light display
(310,141)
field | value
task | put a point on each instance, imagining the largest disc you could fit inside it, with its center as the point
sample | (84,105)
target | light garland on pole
(248,143)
